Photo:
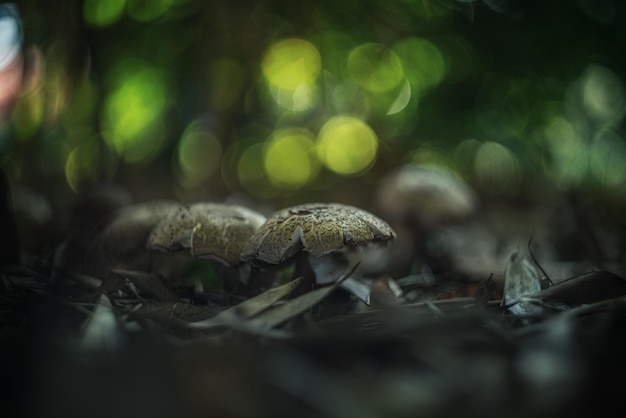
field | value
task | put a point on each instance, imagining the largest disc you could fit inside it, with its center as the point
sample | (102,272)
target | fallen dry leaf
(520,280)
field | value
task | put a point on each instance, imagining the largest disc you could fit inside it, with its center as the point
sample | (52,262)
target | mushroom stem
(303,269)
(228,277)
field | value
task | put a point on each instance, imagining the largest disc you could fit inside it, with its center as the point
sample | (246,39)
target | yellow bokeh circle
(289,159)
(291,63)
(347,145)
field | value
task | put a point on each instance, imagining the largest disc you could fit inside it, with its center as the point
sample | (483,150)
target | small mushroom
(418,200)
(428,193)
(320,230)
(214,231)
(120,241)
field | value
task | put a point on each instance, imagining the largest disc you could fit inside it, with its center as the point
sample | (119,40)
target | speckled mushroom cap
(215,231)
(317,228)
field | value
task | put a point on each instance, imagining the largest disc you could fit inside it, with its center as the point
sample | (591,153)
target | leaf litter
(511,346)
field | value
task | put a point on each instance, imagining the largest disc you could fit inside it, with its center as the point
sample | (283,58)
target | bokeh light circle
(497,169)
(568,152)
(133,111)
(375,67)
(423,62)
(289,159)
(103,12)
(347,145)
(603,95)
(81,165)
(290,63)
(251,172)
(199,153)
(608,159)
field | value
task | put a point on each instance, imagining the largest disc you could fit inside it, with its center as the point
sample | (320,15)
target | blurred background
(275,102)
(518,104)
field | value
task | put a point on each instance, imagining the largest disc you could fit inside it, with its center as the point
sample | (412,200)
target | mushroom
(318,236)
(429,193)
(418,200)
(120,241)
(214,231)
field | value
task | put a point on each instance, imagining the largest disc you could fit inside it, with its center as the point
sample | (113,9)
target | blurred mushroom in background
(213,231)
(120,242)
(323,239)
(419,201)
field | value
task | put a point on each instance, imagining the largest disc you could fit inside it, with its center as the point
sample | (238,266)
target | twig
(532,257)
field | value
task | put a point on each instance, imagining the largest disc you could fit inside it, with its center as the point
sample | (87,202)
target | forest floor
(430,343)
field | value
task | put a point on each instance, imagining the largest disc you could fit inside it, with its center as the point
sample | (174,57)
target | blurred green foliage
(277,98)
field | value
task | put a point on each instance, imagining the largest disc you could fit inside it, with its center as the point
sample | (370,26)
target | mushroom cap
(120,239)
(432,193)
(215,231)
(131,225)
(317,228)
